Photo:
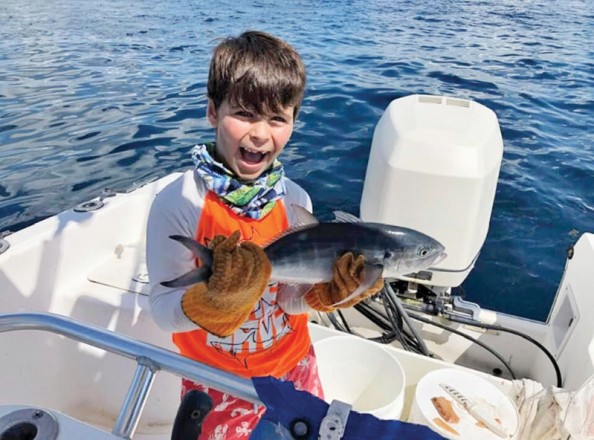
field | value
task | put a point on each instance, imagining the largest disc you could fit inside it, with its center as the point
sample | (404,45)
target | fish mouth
(439,259)
(253,157)
(425,265)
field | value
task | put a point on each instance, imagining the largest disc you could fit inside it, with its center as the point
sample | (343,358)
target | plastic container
(433,166)
(472,386)
(361,373)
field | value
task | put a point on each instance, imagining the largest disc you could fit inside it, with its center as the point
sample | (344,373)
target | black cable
(380,320)
(335,322)
(412,341)
(391,326)
(344,321)
(396,323)
(517,333)
(373,315)
(399,333)
(408,342)
(404,316)
(464,335)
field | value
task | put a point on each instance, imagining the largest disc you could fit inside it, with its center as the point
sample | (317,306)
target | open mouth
(252,157)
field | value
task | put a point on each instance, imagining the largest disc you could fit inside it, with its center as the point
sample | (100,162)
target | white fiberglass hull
(90,266)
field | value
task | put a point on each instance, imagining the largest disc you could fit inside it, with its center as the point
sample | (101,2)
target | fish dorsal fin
(303,216)
(345,217)
(303,220)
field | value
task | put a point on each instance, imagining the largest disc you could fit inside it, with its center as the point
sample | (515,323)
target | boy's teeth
(249,156)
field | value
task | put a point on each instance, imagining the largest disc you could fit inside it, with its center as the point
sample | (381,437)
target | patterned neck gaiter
(253,199)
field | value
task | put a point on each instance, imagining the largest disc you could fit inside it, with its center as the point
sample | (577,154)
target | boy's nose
(260,130)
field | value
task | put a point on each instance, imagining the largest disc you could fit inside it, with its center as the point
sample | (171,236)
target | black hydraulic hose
(344,321)
(396,323)
(387,323)
(465,336)
(373,315)
(389,335)
(414,343)
(396,302)
(517,333)
(335,323)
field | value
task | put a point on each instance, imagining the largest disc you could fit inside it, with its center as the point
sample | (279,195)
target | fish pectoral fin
(196,248)
(194,276)
(303,216)
(345,217)
(295,289)
(373,272)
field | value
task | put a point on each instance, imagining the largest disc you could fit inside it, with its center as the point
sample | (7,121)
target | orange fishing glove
(239,277)
(347,276)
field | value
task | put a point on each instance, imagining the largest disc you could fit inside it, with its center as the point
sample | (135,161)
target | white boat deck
(103,378)
(90,267)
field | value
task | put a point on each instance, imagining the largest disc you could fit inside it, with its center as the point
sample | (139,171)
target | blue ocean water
(108,93)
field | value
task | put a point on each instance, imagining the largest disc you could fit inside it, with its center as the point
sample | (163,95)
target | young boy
(235,201)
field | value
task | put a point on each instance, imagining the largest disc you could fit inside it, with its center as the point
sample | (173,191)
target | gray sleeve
(175,210)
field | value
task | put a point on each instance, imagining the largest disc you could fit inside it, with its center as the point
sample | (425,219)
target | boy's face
(246,142)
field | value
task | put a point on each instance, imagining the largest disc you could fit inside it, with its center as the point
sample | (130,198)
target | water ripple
(97,94)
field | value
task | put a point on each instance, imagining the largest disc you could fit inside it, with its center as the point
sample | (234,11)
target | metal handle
(150,360)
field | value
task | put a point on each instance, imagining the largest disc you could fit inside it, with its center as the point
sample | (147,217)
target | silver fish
(305,254)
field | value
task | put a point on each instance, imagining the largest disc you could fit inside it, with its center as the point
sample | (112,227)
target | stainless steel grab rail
(150,360)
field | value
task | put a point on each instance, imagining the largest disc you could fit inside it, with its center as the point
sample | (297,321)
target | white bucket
(361,373)
(480,390)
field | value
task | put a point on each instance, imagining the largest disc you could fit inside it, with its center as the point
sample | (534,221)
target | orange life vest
(270,342)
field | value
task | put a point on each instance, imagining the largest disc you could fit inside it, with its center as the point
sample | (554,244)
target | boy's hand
(240,274)
(347,276)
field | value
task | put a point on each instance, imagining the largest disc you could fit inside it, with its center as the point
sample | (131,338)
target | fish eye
(388,255)
(424,252)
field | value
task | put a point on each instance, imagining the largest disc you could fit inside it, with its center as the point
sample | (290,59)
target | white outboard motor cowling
(433,167)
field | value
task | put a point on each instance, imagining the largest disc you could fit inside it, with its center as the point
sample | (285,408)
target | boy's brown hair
(256,71)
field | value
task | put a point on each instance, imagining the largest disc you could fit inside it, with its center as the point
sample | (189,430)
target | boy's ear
(211,113)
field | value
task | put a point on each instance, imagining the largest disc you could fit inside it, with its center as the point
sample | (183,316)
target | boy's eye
(244,113)
(279,118)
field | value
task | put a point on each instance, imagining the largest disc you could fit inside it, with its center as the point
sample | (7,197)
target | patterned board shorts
(233,418)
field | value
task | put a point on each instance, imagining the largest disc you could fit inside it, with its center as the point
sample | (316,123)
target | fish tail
(199,250)
(197,275)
